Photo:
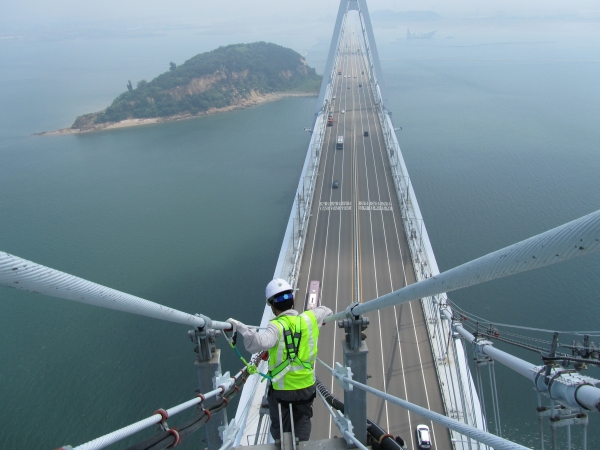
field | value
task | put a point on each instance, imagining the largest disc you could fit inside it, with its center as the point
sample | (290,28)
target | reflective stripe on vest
(291,361)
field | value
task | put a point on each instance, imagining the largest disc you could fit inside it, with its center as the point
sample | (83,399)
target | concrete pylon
(370,47)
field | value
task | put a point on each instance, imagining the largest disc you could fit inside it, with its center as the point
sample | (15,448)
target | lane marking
(410,303)
(381,151)
(371,206)
(316,228)
(335,206)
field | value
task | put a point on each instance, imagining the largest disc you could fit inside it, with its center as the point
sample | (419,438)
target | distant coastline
(253,100)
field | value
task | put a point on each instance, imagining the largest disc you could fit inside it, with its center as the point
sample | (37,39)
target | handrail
(476,434)
(386,441)
(342,426)
(160,416)
(576,238)
(19,273)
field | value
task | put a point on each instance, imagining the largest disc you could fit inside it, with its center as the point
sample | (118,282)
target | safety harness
(292,344)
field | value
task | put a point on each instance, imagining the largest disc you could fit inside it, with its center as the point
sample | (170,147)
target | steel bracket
(561,416)
(339,372)
(478,345)
(345,426)
(207,320)
(354,327)
(204,338)
(223,381)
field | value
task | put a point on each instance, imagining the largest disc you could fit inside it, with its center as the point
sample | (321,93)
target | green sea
(499,132)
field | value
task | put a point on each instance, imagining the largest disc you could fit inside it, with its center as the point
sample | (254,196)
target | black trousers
(301,401)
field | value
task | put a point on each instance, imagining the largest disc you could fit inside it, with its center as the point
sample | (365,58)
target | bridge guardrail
(295,235)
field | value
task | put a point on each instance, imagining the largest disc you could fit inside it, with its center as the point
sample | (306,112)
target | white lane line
(411,310)
(337,280)
(316,228)
(389,265)
(381,152)
(339,239)
(381,352)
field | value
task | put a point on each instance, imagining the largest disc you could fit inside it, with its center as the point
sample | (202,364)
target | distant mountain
(404,16)
(224,77)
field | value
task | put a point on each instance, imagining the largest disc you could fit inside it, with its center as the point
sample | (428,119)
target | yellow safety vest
(291,361)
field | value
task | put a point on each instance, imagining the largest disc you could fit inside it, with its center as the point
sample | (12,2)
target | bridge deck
(400,357)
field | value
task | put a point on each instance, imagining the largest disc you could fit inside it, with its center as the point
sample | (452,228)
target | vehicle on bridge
(312,298)
(423,438)
(366,134)
(336,184)
(330,120)
(339,72)
(340,143)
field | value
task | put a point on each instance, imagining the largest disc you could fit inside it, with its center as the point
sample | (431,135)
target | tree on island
(129,86)
(142,84)
(172,66)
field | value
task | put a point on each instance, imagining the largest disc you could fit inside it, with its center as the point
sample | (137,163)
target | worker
(291,340)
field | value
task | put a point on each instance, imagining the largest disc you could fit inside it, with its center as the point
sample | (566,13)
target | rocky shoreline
(251,101)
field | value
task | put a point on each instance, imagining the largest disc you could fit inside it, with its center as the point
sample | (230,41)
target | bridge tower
(371,48)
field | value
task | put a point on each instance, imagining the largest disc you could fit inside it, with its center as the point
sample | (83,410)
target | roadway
(400,358)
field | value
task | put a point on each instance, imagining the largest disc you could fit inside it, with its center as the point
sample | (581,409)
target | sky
(14,14)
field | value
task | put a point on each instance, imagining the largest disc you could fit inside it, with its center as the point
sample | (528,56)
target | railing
(295,235)
(170,437)
(385,440)
(469,431)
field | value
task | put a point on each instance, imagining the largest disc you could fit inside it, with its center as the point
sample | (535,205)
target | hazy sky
(205,12)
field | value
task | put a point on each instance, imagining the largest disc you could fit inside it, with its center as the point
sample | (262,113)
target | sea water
(500,135)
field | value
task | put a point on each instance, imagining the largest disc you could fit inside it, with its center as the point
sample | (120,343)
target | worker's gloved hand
(233,322)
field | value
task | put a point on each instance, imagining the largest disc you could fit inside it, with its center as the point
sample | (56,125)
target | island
(231,77)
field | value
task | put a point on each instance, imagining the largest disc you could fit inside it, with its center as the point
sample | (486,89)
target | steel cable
(19,273)
(576,238)
(164,439)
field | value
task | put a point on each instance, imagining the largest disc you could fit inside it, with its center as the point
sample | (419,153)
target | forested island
(227,78)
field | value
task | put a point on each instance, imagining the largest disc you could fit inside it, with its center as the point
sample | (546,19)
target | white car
(423,437)
(343,111)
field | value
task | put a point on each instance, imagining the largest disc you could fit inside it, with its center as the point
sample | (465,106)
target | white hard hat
(278,286)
